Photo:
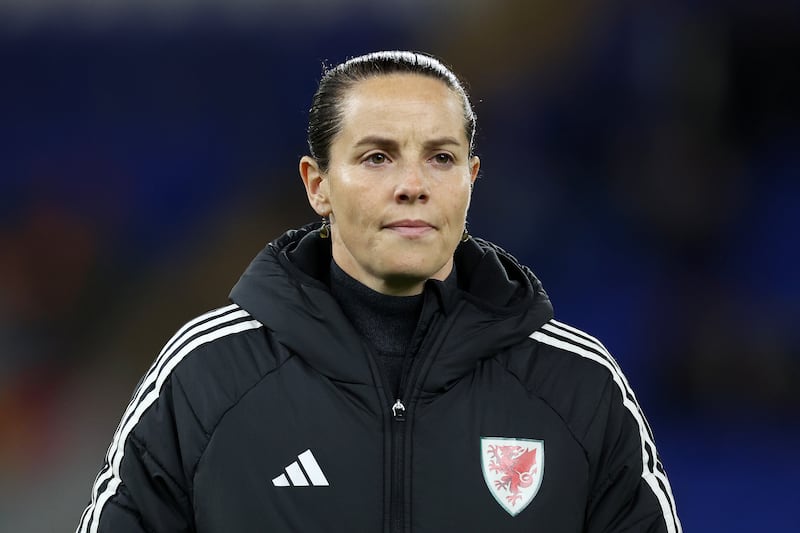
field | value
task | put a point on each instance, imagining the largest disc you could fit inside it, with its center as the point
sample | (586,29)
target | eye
(377,159)
(443,159)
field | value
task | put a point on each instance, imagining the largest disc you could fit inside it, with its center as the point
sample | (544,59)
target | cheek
(351,212)
(461,198)
(359,201)
(341,197)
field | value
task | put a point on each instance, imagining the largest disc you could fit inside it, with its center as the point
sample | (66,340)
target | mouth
(410,228)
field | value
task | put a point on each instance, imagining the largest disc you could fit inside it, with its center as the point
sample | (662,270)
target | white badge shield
(513,470)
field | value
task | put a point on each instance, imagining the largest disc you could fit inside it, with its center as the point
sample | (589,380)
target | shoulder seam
(224,413)
(556,412)
(572,340)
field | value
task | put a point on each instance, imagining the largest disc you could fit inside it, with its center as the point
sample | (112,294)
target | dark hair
(325,115)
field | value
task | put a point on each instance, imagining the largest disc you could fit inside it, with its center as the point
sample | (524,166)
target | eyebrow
(387,143)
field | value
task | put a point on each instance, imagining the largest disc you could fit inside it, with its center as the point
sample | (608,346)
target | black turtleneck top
(386,322)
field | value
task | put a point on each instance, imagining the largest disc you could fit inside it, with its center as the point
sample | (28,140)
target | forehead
(397,100)
(399,83)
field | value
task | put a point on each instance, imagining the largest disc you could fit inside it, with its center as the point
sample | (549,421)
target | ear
(316,186)
(474,167)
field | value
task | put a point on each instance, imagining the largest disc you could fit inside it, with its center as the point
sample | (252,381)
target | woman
(384,371)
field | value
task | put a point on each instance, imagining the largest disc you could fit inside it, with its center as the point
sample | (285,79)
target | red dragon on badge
(517,467)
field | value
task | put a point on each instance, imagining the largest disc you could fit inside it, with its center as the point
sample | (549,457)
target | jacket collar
(497,303)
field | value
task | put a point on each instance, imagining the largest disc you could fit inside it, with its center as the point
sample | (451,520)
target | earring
(325,229)
(465,235)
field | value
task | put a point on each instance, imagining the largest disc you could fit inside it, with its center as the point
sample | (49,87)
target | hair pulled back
(326,115)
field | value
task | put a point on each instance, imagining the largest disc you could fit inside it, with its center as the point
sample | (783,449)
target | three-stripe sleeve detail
(206,328)
(568,338)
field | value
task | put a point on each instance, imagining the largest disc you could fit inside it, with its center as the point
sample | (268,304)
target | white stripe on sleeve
(202,330)
(588,347)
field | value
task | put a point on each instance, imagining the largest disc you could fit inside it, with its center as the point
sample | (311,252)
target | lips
(411,228)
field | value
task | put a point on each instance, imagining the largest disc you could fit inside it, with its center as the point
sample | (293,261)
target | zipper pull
(399,411)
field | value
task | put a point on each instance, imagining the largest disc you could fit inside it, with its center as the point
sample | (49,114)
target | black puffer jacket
(270,415)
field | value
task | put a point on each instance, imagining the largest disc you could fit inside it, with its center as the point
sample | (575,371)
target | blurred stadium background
(641,157)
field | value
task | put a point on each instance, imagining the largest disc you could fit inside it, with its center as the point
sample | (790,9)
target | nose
(412,186)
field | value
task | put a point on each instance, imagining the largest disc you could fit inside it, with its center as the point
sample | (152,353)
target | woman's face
(398,184)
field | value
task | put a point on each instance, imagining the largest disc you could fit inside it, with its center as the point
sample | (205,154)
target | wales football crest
(513,470)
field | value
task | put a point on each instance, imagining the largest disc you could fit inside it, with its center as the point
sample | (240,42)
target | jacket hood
(497,304)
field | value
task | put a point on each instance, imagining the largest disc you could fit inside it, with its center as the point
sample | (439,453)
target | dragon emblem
(516,466)
(512,471)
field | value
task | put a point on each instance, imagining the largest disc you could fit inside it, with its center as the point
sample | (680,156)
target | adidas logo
(297,477)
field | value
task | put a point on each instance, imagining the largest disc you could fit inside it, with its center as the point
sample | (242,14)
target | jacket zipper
(399,411)
(400,417)
(398,452)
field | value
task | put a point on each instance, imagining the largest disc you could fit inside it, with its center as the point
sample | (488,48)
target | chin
(411,270)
